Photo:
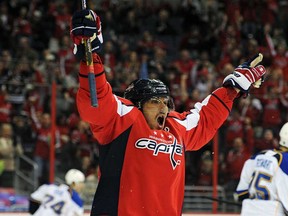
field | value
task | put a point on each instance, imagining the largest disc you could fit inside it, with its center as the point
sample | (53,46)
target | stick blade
(256,60)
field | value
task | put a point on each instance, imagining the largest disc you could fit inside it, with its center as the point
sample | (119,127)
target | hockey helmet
(74,176)
(284,135)
(141,90)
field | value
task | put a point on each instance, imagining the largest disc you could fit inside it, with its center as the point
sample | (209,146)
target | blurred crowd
(191,45)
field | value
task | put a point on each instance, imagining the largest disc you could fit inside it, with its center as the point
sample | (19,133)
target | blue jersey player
(59,200)
(263,185)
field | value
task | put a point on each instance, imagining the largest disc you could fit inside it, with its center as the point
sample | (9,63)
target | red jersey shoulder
(125,101)
(177,115)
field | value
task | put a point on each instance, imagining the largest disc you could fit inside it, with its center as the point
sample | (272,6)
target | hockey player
(142,139)
(59,200)
(263,185)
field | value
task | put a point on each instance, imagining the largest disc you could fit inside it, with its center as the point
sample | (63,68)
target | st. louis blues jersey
(265,177)
(57,200)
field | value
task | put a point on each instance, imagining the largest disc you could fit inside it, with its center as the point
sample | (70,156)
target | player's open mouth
(160,121)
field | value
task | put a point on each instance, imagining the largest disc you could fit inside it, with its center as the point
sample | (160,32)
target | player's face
(79,187)
(155,111)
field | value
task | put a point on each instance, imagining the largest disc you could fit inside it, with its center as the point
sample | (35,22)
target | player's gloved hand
(85,24)
(244,76)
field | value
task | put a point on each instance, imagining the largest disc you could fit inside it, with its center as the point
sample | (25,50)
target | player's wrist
(237,90)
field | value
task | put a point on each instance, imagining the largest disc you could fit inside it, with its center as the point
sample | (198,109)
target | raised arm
(110,117)
(202,122)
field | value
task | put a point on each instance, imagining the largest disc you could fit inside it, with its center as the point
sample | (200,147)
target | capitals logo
(157,148)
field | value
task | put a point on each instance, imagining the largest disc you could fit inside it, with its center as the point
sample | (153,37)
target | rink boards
(87,214)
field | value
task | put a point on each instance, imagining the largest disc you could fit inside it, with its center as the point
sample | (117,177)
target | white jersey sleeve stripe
(192,119)
(121,108)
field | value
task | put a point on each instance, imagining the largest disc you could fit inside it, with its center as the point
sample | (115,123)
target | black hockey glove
(244,76)
(85,24)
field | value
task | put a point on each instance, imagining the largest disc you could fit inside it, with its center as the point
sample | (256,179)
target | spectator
(40,36)
(204,81)
(42,148)
(64,103)
(184,64)
(109,58)
(205,170)
(62,19)
(157,64)
(248,137)
(128,69)
(20,79)
(267,141)
(9,149)
(271,102)
(66,58)
(251,108)
(131,24)
(21,25)
(235,160)
(147,42)
(109,31)
(5,67)
(192,41)
(231,58)
(5,107)
(70,153)
(191,12)
(6,26)
(24,49)
(234,128)
(24,133)
(280,58)
(163,23)
(92,181)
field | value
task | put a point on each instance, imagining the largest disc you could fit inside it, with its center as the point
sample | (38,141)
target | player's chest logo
(157,147)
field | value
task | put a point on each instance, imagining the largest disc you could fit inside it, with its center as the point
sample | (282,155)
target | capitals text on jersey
(171,149)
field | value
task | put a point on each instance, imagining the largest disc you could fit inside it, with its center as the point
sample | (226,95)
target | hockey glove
(244,76)
(85,24)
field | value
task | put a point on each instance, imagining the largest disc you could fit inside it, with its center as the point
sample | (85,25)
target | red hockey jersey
(143,170)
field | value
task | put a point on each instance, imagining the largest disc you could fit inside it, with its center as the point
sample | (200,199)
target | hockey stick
(223,201)
(89,62)
(253,62)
